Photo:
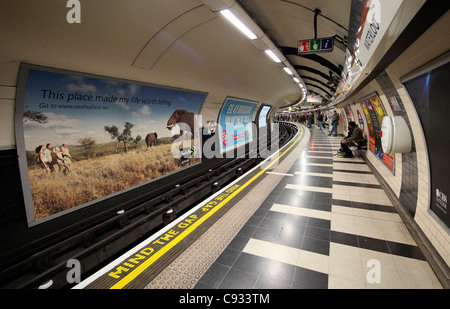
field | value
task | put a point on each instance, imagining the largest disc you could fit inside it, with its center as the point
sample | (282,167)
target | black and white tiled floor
(329,224)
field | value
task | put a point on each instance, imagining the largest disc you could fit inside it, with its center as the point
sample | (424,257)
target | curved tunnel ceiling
(287,22)
(184,44)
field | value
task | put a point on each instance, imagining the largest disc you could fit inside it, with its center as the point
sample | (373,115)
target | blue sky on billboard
(81,106)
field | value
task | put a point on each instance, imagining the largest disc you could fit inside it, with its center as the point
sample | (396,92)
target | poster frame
(422,70)
(22,80)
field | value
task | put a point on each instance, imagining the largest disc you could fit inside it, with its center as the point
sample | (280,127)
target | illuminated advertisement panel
(83,138)
(262,118)
(235,124)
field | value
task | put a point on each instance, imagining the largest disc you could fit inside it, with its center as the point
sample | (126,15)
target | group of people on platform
(44,157)
(354,132)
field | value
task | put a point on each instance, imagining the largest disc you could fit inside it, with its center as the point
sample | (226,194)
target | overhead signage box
(315,46)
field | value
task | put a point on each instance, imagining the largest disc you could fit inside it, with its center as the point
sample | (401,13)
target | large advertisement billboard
(374,112)
(429,91)
(263,116)
(84,138)
(235,122)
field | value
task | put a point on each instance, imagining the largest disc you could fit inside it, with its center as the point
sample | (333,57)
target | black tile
(266,234)
(309,279)
(266,205)
(228,257)
(318,205)
(271,224)
(255,221)
(296,220)
(319,161)
(384,208)
(373,244)
(316,233)
(323,198)
(294,199)
(266,283)
(250,263)
(262,212)
(326,170)
(291,235)
(278,272)
(326,182)
(353,172)
(344,238)
(406,250)
(362,205)
(238,279)
(275,215)
(214,275)
(313,153)
(354,184)
(341,202)
(238,242)
(320,223)
(247,230)
(316,245)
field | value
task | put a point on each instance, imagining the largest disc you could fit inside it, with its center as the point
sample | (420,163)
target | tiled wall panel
(411,179)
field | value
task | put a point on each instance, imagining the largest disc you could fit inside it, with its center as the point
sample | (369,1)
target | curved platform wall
(410,179)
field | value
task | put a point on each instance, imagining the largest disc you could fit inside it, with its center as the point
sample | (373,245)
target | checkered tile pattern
(327,224)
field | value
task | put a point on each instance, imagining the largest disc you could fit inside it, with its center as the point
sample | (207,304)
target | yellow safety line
(136,272)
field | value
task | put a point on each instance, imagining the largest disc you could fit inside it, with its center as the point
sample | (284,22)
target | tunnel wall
(410,180)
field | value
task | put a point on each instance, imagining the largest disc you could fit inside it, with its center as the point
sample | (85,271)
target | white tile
(284,254)
(344,227)
(314,261)
(341,210)
(380,215)
(299,211)
(258,247)
(351,167)
(337,282)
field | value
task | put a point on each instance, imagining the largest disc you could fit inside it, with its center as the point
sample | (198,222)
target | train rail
(108,237)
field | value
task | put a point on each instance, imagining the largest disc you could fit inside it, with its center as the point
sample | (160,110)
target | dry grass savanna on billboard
(98,172)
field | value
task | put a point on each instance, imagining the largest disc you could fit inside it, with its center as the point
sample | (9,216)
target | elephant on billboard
(181,116)
(151,139)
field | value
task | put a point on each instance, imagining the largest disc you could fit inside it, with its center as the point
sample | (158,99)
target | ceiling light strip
(238,24)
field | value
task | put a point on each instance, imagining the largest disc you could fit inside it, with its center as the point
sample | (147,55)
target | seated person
(355,133)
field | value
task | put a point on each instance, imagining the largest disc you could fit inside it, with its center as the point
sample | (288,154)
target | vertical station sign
(315,46)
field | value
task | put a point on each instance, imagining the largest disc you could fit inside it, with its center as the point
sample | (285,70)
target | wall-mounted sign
(315,46)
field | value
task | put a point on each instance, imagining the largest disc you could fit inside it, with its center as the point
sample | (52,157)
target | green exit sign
(315,46)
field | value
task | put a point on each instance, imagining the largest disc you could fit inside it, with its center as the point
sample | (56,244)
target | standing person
(67,156)
(48,157)
(320,119)
(334,123)
(40,158)
(62,164)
